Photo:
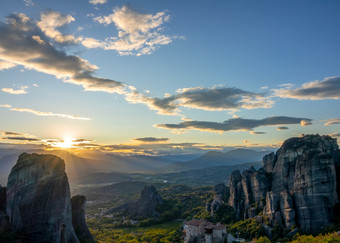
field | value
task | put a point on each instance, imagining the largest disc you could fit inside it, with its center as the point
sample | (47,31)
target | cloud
(329,88)
(21,90)
(257,133)
(212,99)
(50,21)
(29,3)
(333,121)
(12,133)
(151,139)
(18,136)
(95,2)
(6,65)
(138,33)
(21,139)
(235,124)
(334,135)
(18,46)
(282,128)
(305,123)
(43,113)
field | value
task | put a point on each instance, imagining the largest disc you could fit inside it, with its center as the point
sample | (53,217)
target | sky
(167,77)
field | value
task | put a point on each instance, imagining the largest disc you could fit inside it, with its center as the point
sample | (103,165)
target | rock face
(298,184)
(248,191)
(38,199)
(220,191)
(4,223)
(144,207)
(78,218)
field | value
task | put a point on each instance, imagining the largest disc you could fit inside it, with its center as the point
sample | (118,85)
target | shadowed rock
(78,218)
(4,223)
(144,207)
(38,200)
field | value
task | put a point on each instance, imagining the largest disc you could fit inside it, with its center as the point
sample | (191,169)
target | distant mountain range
(78,167)
(215,158)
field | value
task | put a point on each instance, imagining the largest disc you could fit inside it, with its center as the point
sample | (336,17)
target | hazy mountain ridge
(216,158)
(77,167)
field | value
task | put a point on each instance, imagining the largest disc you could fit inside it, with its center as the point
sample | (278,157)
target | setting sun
(67,142)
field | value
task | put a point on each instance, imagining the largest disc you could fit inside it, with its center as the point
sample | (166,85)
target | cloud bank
(23,43)
(235,124)
(212,99)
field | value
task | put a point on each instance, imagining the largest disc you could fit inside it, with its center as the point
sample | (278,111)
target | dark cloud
(282,128)
(329,88)
(82,140)
(22,139)
(13,133)
(257,133)
(235,124)
(151,139)
(23,43)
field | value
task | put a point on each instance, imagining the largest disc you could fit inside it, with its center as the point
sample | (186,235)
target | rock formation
(220,191)
(38,199)
(295,186)
(4,223)
(78,218)
(144,207)
(248,191)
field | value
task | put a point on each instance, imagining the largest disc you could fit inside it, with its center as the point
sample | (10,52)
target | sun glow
(67,142)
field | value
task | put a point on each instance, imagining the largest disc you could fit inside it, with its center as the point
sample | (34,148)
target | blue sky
(202,74)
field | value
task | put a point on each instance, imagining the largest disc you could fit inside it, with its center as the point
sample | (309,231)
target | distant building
(202,231)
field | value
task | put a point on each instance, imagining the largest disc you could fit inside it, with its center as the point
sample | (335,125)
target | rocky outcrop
(38,199)
(220,193)
(79,218)
(144,207)
(299,184)
(248,192)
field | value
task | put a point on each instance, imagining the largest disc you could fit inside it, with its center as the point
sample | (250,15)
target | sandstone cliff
(295,186)
(144,207)
(38,199)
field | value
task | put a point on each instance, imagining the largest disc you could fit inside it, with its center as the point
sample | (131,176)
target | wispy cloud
(21,90)
(151,139)
(138,33)
(19,45)
(333,121)
(329,88)
(282,128)
(235,124)
(95,2)
(334,135)
(44,113)
(29,3)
